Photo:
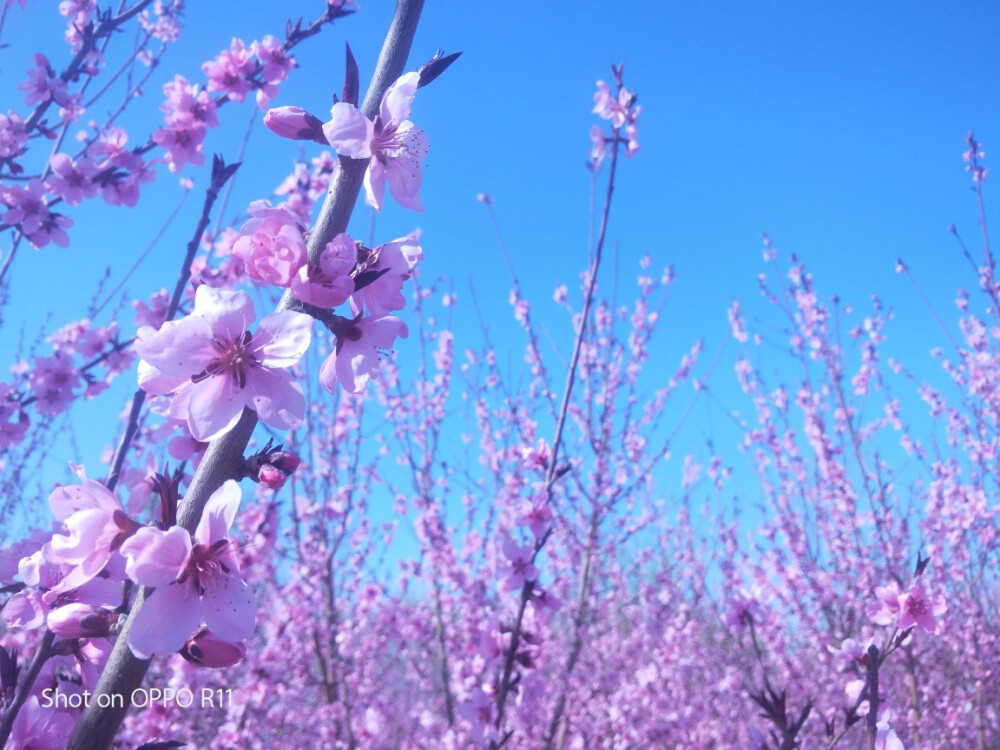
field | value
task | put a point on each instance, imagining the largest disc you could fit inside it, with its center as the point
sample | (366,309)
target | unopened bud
(206,649)
(78,620)
(271,466)
(271,477)
(295,123)
(284,461)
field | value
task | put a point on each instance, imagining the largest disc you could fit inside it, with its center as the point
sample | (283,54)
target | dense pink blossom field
(234,575)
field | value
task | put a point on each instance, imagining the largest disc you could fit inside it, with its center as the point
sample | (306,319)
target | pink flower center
(204,565)
(235,359)
(388,142)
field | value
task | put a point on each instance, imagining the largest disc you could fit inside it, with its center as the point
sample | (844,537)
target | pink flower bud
(208,650)
(284,461)
(78,620)
(271,466)
(295,123)
(272,477)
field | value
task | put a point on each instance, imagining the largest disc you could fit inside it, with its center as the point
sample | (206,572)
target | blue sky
(835,127)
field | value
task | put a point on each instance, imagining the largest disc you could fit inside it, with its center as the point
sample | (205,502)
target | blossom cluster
(83,361)
(621,109)
(75,582)
(105,165)
(213,366)
(391,144)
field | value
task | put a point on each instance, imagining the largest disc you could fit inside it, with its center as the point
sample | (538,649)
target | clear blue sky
(836,127)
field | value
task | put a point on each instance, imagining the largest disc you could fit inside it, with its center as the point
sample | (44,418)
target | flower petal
(65,501)
(349,132)
(228,313)
(155,557)
(229,608)
(86,528)
(218,515)
(282,338)
(180,348)
(24,610)
(398,98)
(375,184)
(168,616)
(214,407)
(155,383)
(277,399)
(403,170)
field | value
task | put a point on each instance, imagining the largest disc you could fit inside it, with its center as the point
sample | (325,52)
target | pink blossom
(52,379)
(37,728)
(611,107)
(536,515)
(919,609)
(30,607)
(851,652)
(521,568)
(122,189)
(189,114)
(155,312)
(111,142)
(231,72)
(277,63)
(276,66)
(395,263)
(165,27)
(96,524)
(913,608)
(12,135)
(888,607)
(328,283)
(183,143)
(29,210)
(197,580)
(188,103)
(480,711)
(79,13)
(215,367)
(355,358)
(393,144)
(72,180)
(42,84)
(271,245)
(632,132)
